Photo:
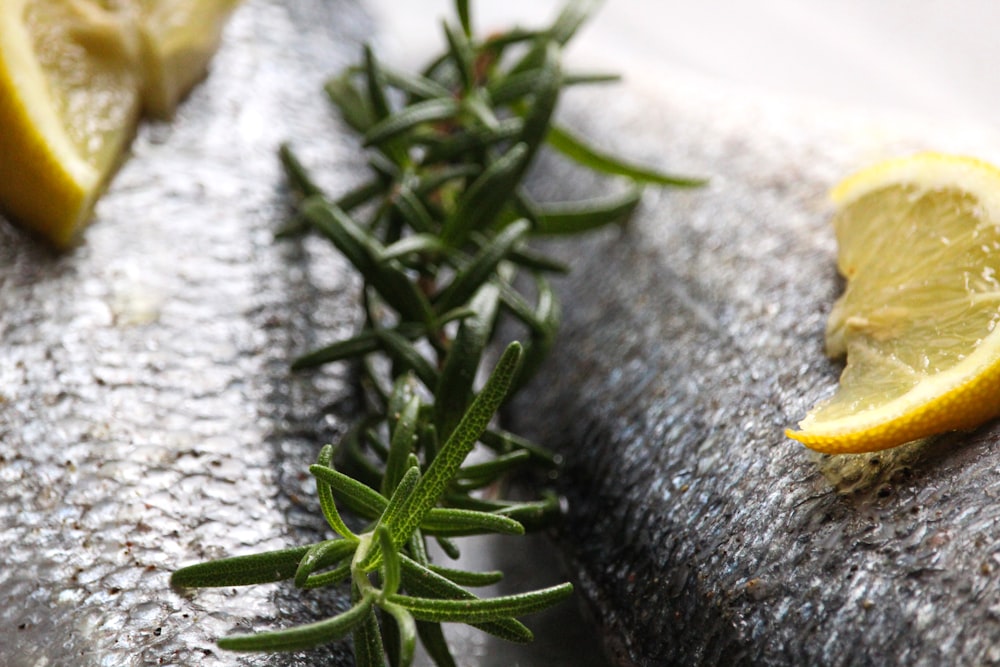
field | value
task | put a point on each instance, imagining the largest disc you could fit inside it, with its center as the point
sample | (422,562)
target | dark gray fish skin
(147,416)
(698,532)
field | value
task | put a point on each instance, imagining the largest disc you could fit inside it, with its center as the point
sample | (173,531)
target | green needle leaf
(259,568)
(390,561)
(363,252)
(363,499)
(428,111)
(450,522)
(321,555)
(465,578)
(574,14)
(577,217)
(404,436)
(303,636)
(432,637)
(353,105)
(454,390)
(446,464)
(394,514)
(576,149)
(368,651)
(468,281)
(478,611)
(481,203)
(422,581)
(326,501)
(462,9)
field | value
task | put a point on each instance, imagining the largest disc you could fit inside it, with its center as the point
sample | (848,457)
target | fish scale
(148,419)
(690,340)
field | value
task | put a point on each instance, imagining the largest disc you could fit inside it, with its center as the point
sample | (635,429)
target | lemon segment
(919,245)
(178,40)
(74,78)
(68,104)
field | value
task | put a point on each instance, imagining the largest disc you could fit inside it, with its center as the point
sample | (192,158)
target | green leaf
(582,216)
(261,568)
(389,280)
(462,10)
(303,636)
(573,15)
(547,314)
(577,150)
(468,142)
(368,651)
(482,201)
(450,522)
(321,555)
(462,56)
(353,105)
(326,501)
(432,637)
(448,460)
(296,173)
(489,471)
(361,344)
(428,111)
(418,218)
(478,611)
(390,560)
(404,437)
(454,391)
(407,627)
(406,356)
(504,441)
(395,513)
(473,276)
(362,499)
(465,578)
(425,582)
(416,86)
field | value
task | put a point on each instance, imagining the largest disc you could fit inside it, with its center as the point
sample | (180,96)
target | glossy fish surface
(691,339)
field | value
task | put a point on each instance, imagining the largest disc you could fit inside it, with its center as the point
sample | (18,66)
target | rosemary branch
(441,244)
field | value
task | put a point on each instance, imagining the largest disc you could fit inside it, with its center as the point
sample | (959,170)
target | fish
(148,419)
(691,338)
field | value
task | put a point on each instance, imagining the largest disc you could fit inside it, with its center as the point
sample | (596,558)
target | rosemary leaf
(362,499)
(576,149)
(261,568)
(451,522)
(303,636)
(466,578)
(448,460)
(433,110)
(583,216)
(465,611)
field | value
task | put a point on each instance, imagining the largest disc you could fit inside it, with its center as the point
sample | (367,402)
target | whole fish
(691,339)
(147,416)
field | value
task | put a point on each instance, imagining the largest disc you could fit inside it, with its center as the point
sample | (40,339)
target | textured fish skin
(147,416)
(699,534)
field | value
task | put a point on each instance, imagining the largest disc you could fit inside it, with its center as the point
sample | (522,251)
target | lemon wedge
(919,246)
(74,78)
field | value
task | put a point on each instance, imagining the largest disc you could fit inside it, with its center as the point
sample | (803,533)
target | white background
(931,57)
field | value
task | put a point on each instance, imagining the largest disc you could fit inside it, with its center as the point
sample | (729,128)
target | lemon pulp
(919,246)
(74,76)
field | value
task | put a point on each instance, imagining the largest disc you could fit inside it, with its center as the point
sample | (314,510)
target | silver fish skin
(148,419)
(691,339)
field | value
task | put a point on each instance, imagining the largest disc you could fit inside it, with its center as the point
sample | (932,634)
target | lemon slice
(919,245)
(74,76)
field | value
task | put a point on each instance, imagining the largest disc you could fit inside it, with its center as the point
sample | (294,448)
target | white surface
(931,57)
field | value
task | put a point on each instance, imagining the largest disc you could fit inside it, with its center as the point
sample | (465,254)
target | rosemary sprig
(441,245)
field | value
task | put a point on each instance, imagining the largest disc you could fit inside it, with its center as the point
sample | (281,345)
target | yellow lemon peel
(919,244)
(74,78)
